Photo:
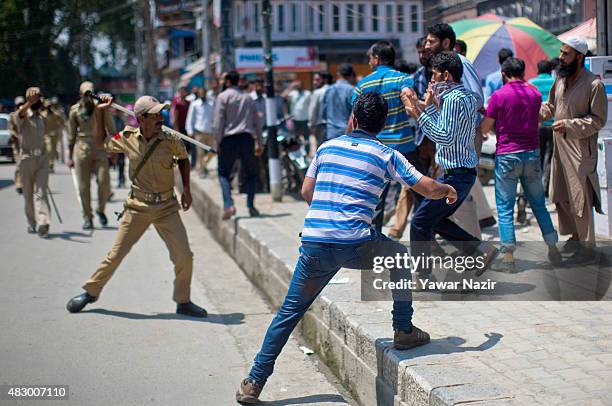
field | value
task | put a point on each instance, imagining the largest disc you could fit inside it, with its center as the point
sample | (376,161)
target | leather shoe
(102,218)
(191,309)
(88,224)
(77,303)
(253,212)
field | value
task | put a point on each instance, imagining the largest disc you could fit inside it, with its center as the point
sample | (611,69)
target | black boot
(77,303)
(88,224)
(191,309)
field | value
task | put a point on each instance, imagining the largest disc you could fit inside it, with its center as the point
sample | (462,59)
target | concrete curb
(367,365)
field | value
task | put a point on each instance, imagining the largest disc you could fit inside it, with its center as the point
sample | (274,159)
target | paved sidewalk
(481,352)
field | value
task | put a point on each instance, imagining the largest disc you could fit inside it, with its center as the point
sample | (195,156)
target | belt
(33,152)
(151,197)
(460,171)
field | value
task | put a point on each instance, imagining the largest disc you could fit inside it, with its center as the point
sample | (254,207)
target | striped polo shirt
(351,172)
(399,131)
(452,128)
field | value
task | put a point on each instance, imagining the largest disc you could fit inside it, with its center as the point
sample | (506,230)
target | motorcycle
(292,155)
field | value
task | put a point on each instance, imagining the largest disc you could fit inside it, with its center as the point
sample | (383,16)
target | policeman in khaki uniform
(55,125)
(34,164)
(90,155)
(150,201)
(19,101)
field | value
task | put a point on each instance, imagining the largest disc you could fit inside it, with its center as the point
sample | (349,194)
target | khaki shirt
(31,130)
(55,122)
(157,174)
(82,127)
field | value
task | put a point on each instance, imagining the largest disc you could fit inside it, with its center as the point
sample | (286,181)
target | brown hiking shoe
(405,341)
(248,392)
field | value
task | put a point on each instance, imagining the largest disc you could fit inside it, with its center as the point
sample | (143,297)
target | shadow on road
(263,216)
(68,236)
(227,319)
(6,183)
(307,400)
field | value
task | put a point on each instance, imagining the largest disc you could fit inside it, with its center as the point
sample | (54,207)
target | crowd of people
(419,126)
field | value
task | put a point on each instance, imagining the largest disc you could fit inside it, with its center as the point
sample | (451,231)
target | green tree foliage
(43,42)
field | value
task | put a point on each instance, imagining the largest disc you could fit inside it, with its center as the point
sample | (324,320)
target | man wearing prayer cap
(578,104)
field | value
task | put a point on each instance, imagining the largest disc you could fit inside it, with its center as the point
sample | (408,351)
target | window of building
(361,17)
(321,17)
(375,17)
(238,19)
(400,18)
(389,15)
(311,17)
(350,17)
(295,18)
(414,18)
(280,18)
(336,17)
(256,17)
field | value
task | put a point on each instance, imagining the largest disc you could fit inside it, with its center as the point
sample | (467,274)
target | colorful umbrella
(487,34)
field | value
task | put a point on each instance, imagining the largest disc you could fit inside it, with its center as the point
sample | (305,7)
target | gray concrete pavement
(130,348)
(515,352)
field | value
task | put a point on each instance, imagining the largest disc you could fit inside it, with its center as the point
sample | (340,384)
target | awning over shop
(587,30)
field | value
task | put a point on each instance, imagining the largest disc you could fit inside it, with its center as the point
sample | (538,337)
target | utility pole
(138,36)
(151,63)
(206,43)
(227,36)
(276,187)
(604,20)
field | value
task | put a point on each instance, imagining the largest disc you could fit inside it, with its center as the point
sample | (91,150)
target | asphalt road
(130,348)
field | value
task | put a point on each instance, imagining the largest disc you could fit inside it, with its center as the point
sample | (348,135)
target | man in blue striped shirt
(400,130)
(448,118)
(343,186)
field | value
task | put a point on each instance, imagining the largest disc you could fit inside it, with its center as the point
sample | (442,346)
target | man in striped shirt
(399,131)
(342,187)
(448,118)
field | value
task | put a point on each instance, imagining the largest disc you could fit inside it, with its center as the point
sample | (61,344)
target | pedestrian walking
(399,132)
(578,104)
(238,135)
(316,120)
(337,102)
(494,80)
(178,114)
(448,118)
(31,125)
(343,186)
(299,105)
(513,111)
(151,200)
(543,82)
(14,133)
(90,156)
(199,126)
(56,122)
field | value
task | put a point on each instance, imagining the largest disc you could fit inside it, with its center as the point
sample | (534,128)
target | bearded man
(578,104)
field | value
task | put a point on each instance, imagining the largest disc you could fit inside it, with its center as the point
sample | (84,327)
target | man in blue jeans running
(343,186)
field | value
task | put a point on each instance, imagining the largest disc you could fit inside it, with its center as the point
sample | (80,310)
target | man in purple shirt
(513,111)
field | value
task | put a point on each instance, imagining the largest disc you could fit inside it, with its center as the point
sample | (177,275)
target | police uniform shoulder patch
(128,131)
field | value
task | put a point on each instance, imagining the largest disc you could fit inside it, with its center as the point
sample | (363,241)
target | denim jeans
(432,216)
(509,170)
(316,266)
(233,147)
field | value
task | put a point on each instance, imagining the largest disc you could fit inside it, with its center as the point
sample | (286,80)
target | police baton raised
(165,129)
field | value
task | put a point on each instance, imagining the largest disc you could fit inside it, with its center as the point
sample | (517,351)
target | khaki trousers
(51,145)
(203,156)
(34,172)
(17,158)
(88,160)
(169,227)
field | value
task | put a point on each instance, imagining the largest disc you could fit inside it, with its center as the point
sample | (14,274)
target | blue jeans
(316,266)
(432,216)
(509,170)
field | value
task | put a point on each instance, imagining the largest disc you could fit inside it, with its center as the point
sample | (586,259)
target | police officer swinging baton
(165,129)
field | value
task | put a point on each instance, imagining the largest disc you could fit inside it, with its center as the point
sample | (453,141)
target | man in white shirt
(199,126)
(299,104)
